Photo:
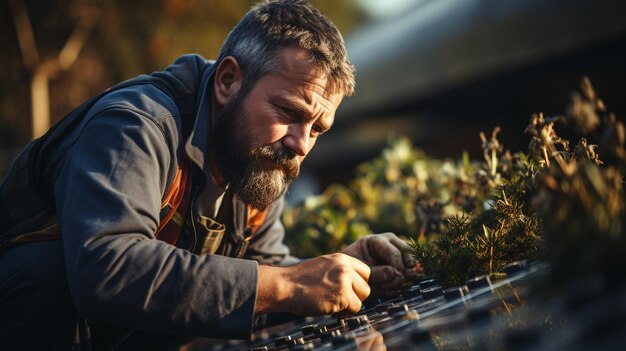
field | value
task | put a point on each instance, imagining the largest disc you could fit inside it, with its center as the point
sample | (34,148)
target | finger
(407,258)
(383,274)
(354,303)
(394,284)
(365,343)
(411,274)
(359,266)
(379,347)
(360,287)
(391,288)
(385,252)
(379,342)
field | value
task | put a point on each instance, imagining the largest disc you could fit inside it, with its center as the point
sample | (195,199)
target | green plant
(483,241)
(466,218)
(582,195)
(403,190)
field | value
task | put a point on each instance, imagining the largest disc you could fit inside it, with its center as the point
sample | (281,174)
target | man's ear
(228,79)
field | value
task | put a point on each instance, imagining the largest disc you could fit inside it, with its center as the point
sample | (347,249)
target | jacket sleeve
(267,246)
(108,194)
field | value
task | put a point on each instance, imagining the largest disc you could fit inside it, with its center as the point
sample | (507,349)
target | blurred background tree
(111,41)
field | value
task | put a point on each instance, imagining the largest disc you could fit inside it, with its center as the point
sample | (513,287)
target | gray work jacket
(105,181)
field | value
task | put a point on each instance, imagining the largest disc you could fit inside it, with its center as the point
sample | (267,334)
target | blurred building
(444,70)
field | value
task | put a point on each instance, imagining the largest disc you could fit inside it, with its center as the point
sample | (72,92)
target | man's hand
(327,284)
(388,258)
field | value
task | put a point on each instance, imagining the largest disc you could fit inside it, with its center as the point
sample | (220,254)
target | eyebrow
(291,104)
(299,108)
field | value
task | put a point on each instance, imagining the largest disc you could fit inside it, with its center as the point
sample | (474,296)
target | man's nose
(297,139)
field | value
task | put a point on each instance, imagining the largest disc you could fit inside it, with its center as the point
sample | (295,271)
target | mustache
(280,156)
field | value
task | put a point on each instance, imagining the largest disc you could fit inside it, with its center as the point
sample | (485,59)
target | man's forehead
(306,79)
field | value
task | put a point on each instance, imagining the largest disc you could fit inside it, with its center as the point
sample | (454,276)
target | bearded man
(153,209)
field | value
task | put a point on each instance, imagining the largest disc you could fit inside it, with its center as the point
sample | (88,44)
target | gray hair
(274,25)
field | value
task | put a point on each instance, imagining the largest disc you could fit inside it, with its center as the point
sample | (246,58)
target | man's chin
(264,188)
(258,203)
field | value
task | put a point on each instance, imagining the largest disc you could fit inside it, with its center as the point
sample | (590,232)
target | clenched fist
(327,284)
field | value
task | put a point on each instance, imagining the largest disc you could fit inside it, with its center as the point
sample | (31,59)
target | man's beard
(244,166)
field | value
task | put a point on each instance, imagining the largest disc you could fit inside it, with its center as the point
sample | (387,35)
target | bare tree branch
(77,39)
(44,71)
(25,36)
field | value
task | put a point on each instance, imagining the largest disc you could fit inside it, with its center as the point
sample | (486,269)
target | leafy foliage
(583,196)
(467,218)
(324,223)
(402,190)
(484,241)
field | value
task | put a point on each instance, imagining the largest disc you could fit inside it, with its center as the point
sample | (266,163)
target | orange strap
(255,219)
(168,229)
(174,188)
(175,204)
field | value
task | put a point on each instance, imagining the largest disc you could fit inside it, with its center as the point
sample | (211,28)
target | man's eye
(317,131)
(289,112)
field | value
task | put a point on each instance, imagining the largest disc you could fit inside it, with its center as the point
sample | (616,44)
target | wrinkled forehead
(296,67)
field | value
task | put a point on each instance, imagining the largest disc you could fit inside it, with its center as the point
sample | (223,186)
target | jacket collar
(197,145)
(198,142)
(189,80)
